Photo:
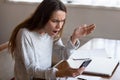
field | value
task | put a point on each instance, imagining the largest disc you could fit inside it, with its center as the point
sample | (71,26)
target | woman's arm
(61,51)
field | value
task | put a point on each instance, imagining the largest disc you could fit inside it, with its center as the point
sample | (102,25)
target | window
(33,1)
(107,3)
(103,47)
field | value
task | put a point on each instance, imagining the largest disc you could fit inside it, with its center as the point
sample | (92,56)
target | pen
(80,59)
(81,78)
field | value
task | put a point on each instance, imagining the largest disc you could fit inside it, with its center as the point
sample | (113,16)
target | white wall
(11,15)
(106,20)
(1,1)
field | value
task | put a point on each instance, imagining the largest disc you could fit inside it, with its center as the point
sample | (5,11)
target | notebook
(102,66)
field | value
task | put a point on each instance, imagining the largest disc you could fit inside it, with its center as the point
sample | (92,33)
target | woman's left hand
(64,70)
(82,31)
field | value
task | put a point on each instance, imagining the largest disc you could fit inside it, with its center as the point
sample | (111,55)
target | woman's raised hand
(81,31)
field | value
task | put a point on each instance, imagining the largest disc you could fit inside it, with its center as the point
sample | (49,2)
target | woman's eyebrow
(58,20)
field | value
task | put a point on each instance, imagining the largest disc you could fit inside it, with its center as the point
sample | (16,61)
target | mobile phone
(85,63)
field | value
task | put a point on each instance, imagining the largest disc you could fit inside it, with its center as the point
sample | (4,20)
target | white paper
(85,77)
(75,63)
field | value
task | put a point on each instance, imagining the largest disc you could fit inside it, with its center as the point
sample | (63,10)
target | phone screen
(85,63)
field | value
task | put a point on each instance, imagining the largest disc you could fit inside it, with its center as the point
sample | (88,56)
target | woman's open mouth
(55,32)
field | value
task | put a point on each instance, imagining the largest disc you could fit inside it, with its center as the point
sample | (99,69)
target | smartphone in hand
(85,63)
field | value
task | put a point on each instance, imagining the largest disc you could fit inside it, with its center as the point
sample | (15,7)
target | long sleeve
(34,52)
(27,58)
(70,48)
(61,51)
(33,56)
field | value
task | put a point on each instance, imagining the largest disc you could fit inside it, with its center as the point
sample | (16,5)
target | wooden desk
(111,47)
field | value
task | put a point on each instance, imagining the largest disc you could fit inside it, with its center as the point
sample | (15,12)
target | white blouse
(35,53)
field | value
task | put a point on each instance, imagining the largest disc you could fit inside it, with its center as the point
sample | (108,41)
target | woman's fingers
(81,70)
(89,29)
(83,30)
(77,72)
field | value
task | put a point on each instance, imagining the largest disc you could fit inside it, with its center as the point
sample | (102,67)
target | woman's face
(55,23)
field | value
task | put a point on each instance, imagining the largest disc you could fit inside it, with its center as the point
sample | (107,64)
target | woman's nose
(59,25)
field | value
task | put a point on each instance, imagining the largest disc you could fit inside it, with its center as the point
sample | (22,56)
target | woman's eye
(55,21)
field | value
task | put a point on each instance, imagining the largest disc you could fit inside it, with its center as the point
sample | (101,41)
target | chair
(13,78)
(6,63)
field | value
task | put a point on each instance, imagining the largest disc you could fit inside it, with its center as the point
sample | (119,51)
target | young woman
(34,41)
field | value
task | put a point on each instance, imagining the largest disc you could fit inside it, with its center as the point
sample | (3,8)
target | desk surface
(115,76)
(112,49)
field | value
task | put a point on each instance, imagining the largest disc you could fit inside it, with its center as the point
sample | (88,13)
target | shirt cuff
(51,74)
(72,46)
